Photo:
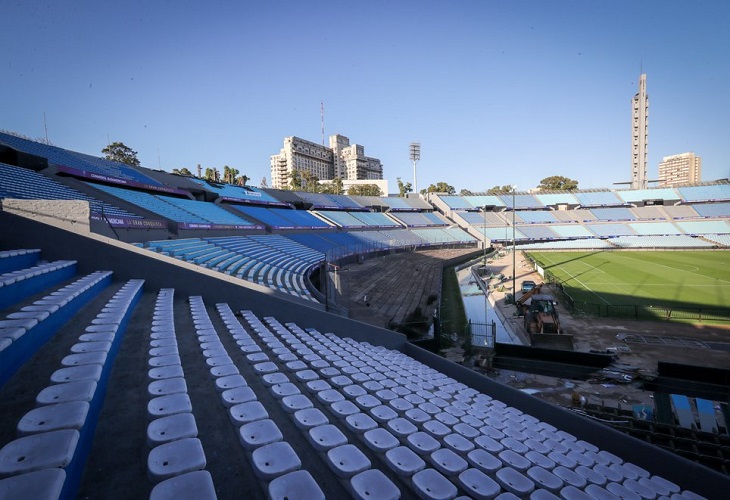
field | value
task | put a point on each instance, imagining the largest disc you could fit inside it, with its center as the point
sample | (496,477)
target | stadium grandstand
(166,338)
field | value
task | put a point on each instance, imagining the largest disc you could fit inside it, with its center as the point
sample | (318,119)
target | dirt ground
(601,334)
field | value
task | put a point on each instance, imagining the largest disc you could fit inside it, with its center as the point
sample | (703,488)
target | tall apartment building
(675,170)
(639,136)
(341,159)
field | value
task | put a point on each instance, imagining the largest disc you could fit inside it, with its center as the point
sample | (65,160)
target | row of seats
(442,429)
(176,461)
(21,283)
(48,458)
(25,330)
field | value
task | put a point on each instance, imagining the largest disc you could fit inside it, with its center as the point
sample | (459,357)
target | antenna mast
(321,112)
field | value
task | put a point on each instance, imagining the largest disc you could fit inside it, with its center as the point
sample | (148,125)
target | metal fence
(638,311)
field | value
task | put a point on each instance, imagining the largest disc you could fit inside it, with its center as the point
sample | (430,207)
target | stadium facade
(340,160)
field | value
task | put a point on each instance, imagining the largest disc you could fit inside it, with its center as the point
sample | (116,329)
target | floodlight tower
(415,150)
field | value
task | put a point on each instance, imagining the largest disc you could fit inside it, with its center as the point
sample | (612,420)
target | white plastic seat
(598,493)
(514,481)
(329,396)
(478,485)
(170,404)
(484,461)
(404,461)
(297,484)
(401,427)
(265,367)
(230,382)
(569,477)
(295,402)
(273,378)
(325,437)
(244,413)
(70,415)
(436,429)
(545,479)
(360,423)
(196,484)
(156,361)
(46,450)
(458,443)
(383,413)
(45,484)
(275,459)
(76,373)
(343,409)
(447,462)
(237,395)
(573,493)
(422,443)
(97,346)
(309,417)
(512,459)
(86,358)
(432,485)
(417,416)
(259,433)
(218,361)
(354,391)
(171,428)
(224,371)
(367,402)
(163,372)
(82,390)
(380,440)
(175,458)
(371,484)
(347,460)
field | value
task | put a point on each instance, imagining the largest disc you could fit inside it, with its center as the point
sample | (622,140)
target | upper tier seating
(616,213)
(282,218)
(79,161)
(419,219)
(713,209)
(555,199)
(641,195)
(598,199)
(714,192)
(248,193)
(21,183)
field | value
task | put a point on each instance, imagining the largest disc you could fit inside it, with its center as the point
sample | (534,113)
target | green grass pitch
(671,278)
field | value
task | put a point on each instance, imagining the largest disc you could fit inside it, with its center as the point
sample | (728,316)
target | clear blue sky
(497,92)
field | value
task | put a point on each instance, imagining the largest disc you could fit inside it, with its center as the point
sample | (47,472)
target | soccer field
(668,279)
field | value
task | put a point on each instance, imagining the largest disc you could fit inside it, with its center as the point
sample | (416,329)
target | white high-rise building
(639,136)
(676,170)
(342,159)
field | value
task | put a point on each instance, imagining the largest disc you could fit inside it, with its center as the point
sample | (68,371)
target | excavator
(539,312)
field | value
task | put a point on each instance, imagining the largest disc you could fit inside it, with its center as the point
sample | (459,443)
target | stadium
(163,336)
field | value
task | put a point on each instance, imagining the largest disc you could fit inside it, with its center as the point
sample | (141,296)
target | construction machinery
(541,319)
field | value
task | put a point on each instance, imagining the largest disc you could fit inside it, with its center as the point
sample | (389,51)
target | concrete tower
(639,136)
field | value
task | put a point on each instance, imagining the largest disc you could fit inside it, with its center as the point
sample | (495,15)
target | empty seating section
(485,201)
(20,283)
(641,195)
(665,241)
(319,200)
(375,219)
(281,218)
(208,211)
(581,244)
(653,228)
(714,192)
(56,436)
(521,201)
(458,202)
(343,219)
(719,239)
(610,230)
(704,227)
(681,211)
(397,204)
(535,217)
(598,199)
(713,209)
(538,232)
(555,199)
(153,204)
(345,201)
(21,183)
(419,219)
(385,424)
(649,212)
(236,192)
(482,218)
(24,331)
(77,161)
(616,213)
(571,231)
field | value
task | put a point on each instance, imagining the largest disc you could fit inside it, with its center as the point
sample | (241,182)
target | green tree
(465,192)
(439,187)
(334,187)
(295,180)
(230,174)
(499,190)
(264,184)
(365,190)
(241,181)
(404,189)
(558,183)
(210,174)
(182,171)
(120,152)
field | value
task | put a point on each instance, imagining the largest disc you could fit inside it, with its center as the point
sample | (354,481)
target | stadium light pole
(484,232)
(415,154)
(514,257)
